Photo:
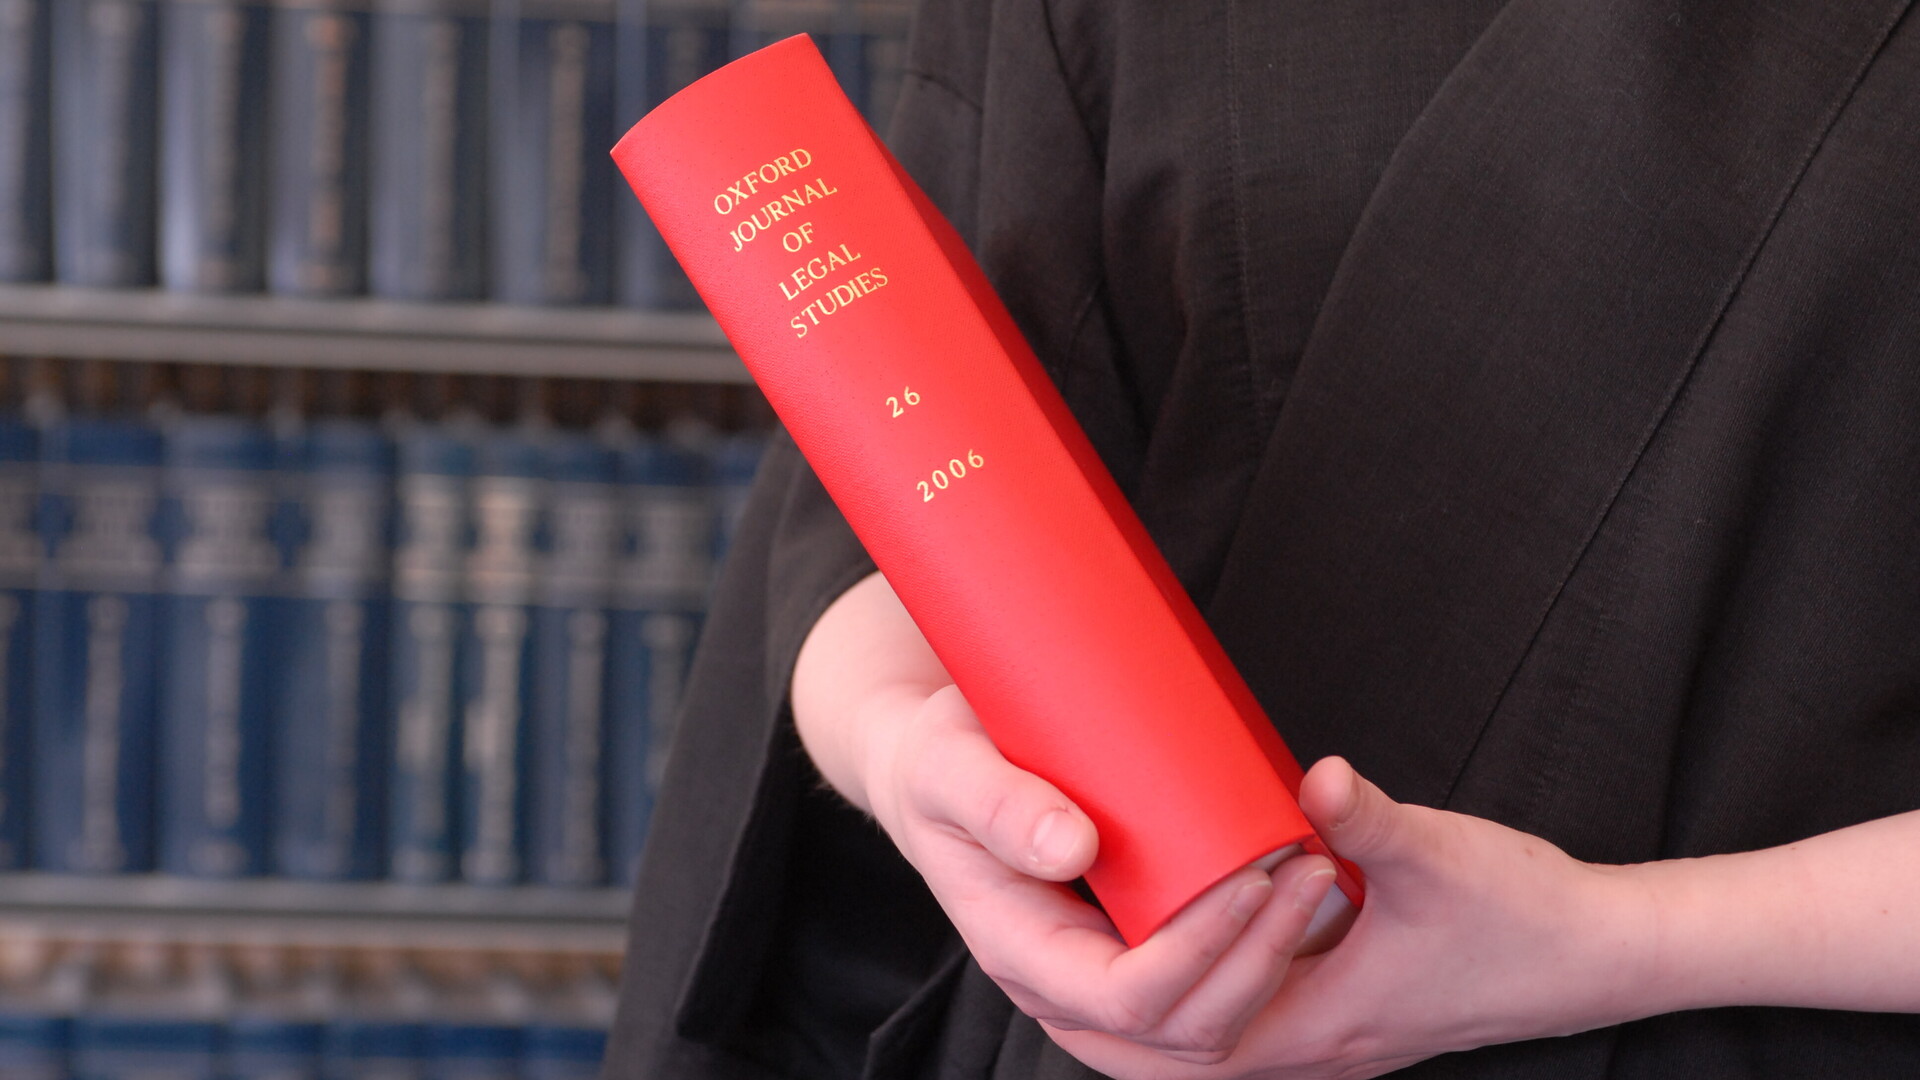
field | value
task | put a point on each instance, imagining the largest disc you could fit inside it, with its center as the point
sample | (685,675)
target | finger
(961,779)
(1130,992)
(1359,821)
(1206,1025)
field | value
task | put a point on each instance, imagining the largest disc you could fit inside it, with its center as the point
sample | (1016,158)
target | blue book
(553,196)
(736,459)
(663,45)
(213,73)
(218,623)
(317,233)
(368,1048)
(868,49)
(25,179)
(20,557)
(329,701)
(268,1047)
(551,1052)
(434,463)
(104,93)
(660,590)
(95,645)
(473,1051)
(33,1045)
(568,775)
(497,664)
(429,150)
(137,1047)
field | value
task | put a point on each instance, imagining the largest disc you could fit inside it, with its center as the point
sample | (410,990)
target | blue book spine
(457,1051)
(496,683)
(213,70)
(215,730)
(735,461)
(33,1046)
(874,56)
(272,1048)
(104,94)
(663,45)
(25,179)
(368,1049)
(553,195)
(330,701)
(570,666)
(429,150)
(562,1053)
(428,621)
(317,235)
(659,592)
(141,1048)
(20,557)
(95,642)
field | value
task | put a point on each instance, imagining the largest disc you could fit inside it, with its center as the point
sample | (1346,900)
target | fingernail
(1311,890)
(1053,840)
(1251,897)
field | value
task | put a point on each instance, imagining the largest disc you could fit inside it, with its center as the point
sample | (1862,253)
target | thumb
(963,781)
(1360,822)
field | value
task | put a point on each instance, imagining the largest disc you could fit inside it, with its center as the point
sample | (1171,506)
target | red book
(906,385)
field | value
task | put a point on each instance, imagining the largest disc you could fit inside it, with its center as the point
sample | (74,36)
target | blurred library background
(365,465)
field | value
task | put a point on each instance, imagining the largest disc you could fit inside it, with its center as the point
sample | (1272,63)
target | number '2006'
(944,478)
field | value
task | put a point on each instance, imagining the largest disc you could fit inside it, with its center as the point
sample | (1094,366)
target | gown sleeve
(775,929)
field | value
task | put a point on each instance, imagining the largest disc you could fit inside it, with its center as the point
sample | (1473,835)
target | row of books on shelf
(335,647)
(86,1010)
(426,150)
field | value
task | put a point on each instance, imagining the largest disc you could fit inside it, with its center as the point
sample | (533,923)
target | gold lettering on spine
(744,189)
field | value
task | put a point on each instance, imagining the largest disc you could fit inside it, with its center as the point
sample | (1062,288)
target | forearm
(864,655)
(1830,922)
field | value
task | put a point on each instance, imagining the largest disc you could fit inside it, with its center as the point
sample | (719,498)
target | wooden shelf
(376,914)
(476,338)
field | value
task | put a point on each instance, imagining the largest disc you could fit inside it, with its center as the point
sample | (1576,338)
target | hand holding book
(995,843)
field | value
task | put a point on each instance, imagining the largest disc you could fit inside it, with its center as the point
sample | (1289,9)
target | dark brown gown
(1529,392)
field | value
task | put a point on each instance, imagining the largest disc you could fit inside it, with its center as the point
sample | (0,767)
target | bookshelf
(364,334)
(316,914)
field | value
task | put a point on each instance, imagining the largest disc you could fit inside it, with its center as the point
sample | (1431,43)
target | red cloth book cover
(904,382)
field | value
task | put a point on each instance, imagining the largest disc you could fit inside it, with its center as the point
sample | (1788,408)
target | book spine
(317,235)
(553,116)
(660,586)
(33,1042)
(95,642)
(25,180)
(330,707)
(135,1047)
(506,495)
(880,28)
(429,617)
(104,94)
(907,385)
(215,799)
(555,1052)
(20,557)
(473,1051)
(373,1049)
(735,461)
(212,145)
(663,47)
(271,1047)
(429,151)
(568,773)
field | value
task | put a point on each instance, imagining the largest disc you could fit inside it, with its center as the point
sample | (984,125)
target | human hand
(1472,934)
(996,844)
